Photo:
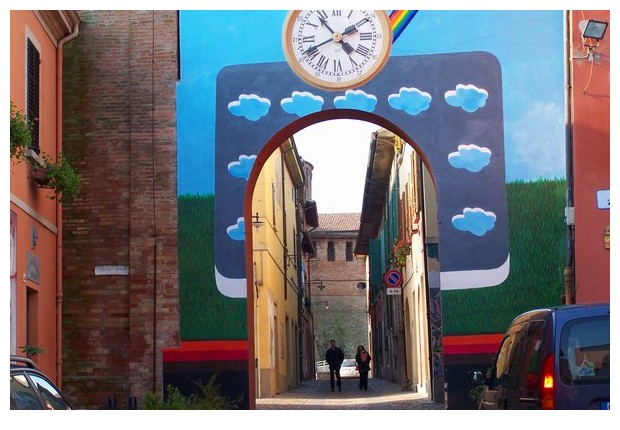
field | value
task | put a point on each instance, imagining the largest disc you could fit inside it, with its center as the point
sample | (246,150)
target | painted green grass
(537,259)
(205,313)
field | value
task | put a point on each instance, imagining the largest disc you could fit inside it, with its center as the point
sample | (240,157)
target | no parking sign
(393,278)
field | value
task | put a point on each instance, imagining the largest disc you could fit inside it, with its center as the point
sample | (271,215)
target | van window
(504,362)
(533,359)
(584,351)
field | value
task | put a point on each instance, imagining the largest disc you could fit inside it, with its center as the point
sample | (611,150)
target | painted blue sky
(528,44)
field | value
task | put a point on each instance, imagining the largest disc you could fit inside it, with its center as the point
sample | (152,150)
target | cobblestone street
(381,395)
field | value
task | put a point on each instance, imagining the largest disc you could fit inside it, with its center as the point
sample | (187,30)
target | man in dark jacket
(334,357)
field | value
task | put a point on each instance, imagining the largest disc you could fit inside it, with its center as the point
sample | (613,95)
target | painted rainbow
(399,20)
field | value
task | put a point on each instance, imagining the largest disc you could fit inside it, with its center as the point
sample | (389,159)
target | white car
(349,369)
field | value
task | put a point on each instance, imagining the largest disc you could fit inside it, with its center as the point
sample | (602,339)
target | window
(533,358)
(331,251)
(51,396)
(32,94)
(22,394)
(584,351)
(349,251)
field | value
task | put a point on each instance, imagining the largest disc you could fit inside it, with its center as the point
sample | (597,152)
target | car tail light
(548,383)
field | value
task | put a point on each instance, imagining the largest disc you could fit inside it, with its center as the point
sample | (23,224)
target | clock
(337,49)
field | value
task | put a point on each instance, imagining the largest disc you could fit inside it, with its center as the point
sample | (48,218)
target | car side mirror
(476,377)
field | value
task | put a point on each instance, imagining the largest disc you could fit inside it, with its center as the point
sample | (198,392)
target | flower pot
(39,175)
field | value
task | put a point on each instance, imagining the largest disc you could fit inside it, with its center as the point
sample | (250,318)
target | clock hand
(347,47)
(324,22)
(315,47)
(353,28)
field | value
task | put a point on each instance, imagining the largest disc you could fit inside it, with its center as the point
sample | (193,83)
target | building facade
(120,243)
(277,259)
(338,284)
(393,235)
(38,40)
(588,146)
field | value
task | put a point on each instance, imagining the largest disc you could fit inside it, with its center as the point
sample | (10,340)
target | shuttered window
(32,108)
(349,251)
(331,251)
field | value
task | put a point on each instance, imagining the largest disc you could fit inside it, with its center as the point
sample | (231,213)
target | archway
(259,374)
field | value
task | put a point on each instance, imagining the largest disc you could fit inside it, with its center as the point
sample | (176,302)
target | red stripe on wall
(474,344)
(207,351)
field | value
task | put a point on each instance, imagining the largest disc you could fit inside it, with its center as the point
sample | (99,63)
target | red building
(589,139)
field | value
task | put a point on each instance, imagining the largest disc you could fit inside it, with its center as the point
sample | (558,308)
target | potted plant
(400,250)
(60,175)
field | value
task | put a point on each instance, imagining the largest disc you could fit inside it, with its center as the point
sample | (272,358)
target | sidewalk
(381,395)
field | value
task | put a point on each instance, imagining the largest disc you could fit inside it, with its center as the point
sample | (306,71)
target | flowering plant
(400,250)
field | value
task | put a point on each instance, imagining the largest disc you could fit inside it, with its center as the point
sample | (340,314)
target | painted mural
(479,93)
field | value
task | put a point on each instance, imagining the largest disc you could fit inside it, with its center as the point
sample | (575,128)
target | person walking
(334,357)
(362,358)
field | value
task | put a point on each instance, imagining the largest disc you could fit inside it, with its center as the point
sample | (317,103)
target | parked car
(349,369)
(555,358)
(31,389)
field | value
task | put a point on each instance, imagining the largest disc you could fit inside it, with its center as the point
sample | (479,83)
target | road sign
(393,278)
(394,291)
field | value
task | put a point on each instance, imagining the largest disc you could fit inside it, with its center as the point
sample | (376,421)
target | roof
(376,188)
(338,222)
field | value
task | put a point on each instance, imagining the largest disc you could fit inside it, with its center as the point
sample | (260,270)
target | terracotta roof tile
(339,222)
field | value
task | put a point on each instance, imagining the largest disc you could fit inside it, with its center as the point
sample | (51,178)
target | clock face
(337,49)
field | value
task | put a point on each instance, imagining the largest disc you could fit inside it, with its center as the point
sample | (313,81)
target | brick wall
(346,319)
(119,124)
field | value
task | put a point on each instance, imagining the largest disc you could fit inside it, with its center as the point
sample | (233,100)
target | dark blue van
(553,358)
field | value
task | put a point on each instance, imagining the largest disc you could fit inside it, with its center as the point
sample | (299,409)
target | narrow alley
(381,395)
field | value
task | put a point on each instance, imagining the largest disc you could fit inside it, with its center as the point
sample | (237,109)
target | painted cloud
(237,231)
(468,97)
(411,100)
(250,106)
(356,99)
(475,220)
(470,157)
(302,103)
(243,167)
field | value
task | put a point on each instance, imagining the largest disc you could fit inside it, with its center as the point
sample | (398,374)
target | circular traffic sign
(393,278)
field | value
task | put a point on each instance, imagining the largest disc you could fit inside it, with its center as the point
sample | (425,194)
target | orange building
(37,40)
(590,107)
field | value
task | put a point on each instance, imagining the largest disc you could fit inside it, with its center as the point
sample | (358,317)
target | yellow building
(277,261)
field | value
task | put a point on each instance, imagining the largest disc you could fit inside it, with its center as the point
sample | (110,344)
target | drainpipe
(61,43)
(569,278)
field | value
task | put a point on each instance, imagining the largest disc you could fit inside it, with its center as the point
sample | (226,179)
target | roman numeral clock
(337,49)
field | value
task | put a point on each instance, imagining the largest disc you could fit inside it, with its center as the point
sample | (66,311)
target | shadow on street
(381,395)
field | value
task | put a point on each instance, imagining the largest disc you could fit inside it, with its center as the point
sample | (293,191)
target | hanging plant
(21,133)
(60,176)
(400,250)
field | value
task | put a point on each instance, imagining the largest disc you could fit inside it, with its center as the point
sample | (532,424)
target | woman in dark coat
(363,364)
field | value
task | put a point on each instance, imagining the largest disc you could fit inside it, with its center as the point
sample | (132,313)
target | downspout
(59,297)
(569,275)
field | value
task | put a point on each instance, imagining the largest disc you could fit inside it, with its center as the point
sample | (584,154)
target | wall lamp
(256,222)
(319,284)
(592,31)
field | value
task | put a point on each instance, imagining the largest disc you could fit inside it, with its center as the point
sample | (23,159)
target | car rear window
(584,351)
(348,362)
